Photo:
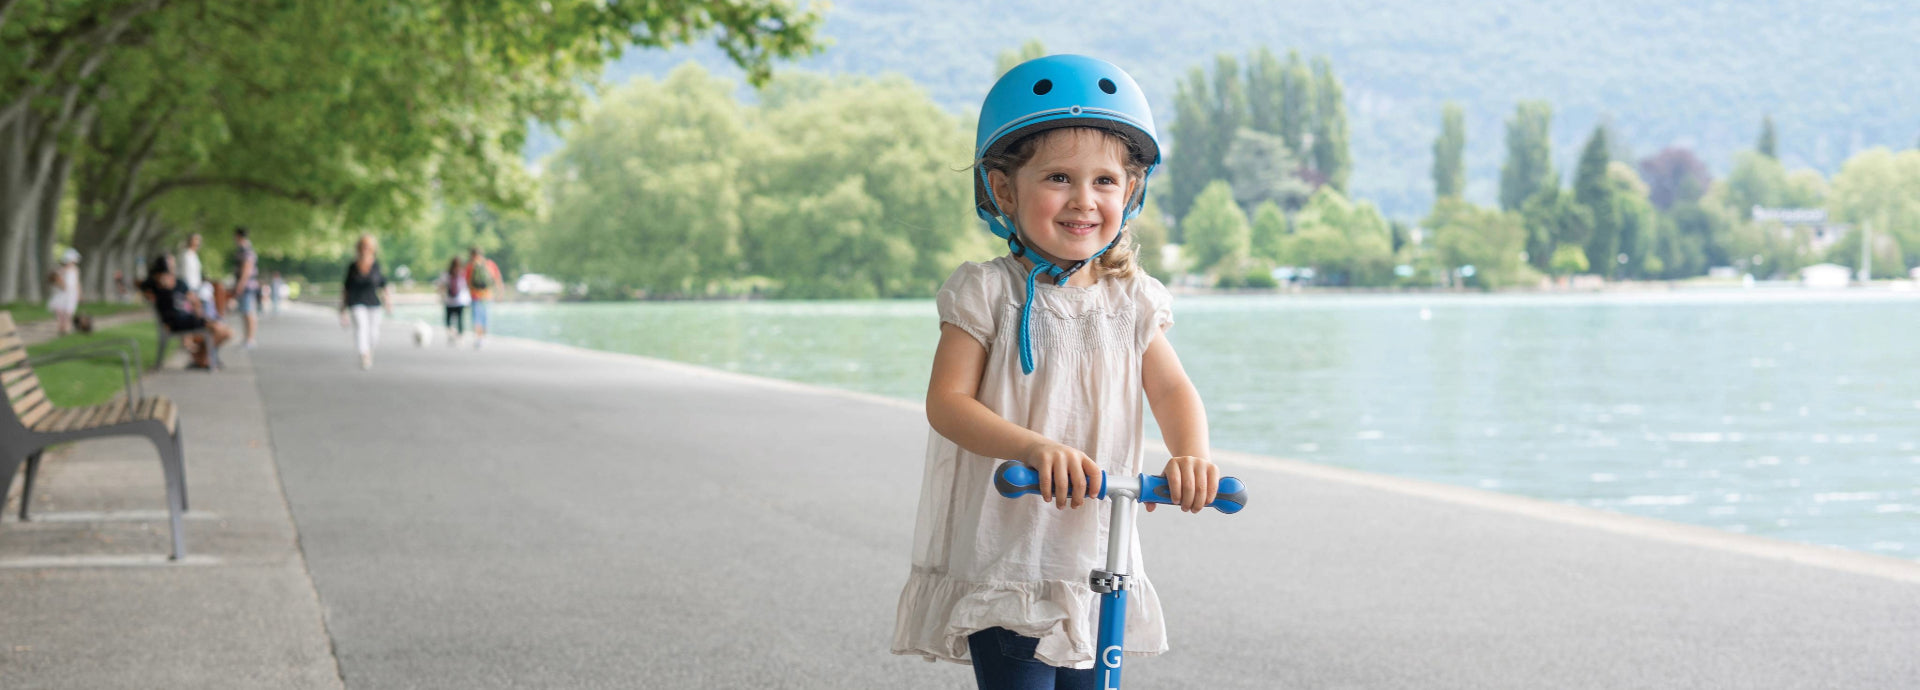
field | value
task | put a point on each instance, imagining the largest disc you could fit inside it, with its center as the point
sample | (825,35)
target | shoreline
(1766,548)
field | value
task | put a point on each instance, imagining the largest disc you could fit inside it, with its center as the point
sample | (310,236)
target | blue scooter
(1014,479)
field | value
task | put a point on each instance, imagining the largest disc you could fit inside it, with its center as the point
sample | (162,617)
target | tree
(1149,230)
(1637,224)
(647,194)
(1297,103)
(848,194)
(1555,222)
(1674,175)
(1529,165)
(1266,93)
(1009,59)
(1269,233)
(1346,243)
(1330,155)
(1875,187)
(1261,169)
(220,113)
(1756,180)
(1449,166)
(1595,192)
(1189,163)
(1216,230)
(1488,240)
(1766,145)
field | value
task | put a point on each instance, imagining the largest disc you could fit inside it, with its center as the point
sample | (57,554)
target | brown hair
(1117,262)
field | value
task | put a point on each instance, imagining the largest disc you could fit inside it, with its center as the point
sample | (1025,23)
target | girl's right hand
(1067,476)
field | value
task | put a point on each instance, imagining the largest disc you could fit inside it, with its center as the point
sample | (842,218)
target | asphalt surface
(527,515)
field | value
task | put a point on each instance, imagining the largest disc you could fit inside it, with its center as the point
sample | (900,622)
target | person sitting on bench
(171,303)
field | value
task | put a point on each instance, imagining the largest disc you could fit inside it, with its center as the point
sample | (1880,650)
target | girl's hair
(1117,262)
(453,265)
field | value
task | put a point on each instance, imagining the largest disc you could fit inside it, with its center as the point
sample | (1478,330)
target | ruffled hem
(937,613)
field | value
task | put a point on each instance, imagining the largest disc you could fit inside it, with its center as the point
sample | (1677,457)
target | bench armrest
(128,350)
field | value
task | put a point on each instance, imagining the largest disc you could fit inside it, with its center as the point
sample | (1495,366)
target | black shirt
(363,289)
(171,307)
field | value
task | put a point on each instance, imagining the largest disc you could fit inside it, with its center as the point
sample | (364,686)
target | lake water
(1793,415)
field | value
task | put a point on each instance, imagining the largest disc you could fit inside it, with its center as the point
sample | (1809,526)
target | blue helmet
(1060,91)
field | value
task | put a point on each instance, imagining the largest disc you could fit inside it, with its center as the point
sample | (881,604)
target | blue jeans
(480,320)
(1004,661)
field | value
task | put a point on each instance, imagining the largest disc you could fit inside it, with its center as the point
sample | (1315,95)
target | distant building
(1826,276)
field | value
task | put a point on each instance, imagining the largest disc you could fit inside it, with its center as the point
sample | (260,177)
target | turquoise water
(1790,415)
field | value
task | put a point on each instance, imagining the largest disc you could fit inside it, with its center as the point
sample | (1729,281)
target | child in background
(1045,355)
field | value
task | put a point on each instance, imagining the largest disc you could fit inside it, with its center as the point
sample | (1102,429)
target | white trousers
(366,328)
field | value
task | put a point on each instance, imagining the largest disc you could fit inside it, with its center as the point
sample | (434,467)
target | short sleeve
(966,300)
(1156,308)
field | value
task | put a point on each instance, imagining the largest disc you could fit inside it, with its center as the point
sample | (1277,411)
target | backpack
(481,277)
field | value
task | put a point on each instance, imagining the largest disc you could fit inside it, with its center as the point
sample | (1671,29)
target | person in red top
(483,278)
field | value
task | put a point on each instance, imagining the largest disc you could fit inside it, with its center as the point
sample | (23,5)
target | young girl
(1044,356)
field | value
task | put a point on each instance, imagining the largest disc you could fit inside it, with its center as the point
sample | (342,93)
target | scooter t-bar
(1014,479)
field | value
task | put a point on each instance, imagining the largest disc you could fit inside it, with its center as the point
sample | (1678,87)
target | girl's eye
(1107,180)
(1057,177)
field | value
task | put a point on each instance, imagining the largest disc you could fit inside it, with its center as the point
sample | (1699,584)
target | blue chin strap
(1003,226)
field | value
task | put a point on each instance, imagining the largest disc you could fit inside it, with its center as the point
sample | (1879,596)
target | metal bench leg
(26,487)
(160,348)
(173,466)
(213,355)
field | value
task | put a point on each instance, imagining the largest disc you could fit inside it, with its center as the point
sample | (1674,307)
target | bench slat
(14,357)
(32,415)
(22,386)
(27,403)
(12,375)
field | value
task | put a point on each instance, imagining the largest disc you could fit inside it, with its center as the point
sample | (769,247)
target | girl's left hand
(1192,482)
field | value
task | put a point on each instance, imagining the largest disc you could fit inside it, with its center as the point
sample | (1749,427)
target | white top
(460,296)
(982,561)
(190,268)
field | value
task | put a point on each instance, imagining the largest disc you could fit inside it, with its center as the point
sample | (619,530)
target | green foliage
(1877,188)
(1149,231)
(1269,232)
(1568,260)
(1554,222)
(1449,165)
(1009,59)
(1487,239)
(1216,230)
(1594,191)
(1330,156)
(1346,243)
(1226,124)
(1262,170)
(1529,165)
(836,188)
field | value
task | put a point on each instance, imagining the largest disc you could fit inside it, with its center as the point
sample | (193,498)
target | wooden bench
(32,423)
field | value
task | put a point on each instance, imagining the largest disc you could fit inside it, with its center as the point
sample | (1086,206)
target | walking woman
(455,296)
(364,297)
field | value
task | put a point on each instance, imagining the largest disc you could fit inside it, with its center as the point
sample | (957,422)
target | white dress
(66,298)
(982,561)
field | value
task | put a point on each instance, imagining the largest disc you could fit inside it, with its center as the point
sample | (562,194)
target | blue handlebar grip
(1229,499)
(1014,479)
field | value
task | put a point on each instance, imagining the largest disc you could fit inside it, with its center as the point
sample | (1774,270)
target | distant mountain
(1837,76)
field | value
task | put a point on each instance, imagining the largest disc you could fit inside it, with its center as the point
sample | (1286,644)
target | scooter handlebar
(1014,479)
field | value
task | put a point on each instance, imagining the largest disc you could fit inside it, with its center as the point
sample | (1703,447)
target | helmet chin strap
(1042,265)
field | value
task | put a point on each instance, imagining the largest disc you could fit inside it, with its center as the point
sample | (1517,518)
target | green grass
(30,312)
(90,381)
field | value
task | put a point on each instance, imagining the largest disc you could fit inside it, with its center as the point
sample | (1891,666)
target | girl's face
(1069,200)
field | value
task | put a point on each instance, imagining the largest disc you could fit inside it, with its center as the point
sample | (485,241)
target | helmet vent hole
(1107,86)
(1040,88)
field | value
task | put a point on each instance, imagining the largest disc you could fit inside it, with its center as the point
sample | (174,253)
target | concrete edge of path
(1831,558)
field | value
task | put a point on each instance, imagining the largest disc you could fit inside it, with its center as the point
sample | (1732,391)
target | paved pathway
(535,516)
